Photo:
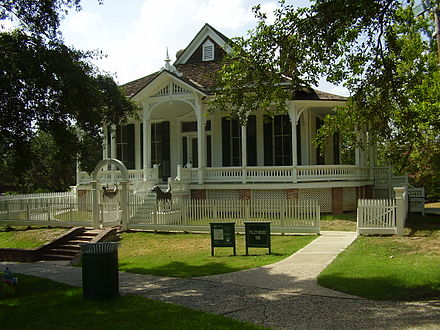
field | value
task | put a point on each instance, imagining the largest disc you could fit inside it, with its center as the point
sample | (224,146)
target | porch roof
(202,77)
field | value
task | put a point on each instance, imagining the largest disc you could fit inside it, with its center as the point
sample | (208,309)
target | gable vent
(208,51)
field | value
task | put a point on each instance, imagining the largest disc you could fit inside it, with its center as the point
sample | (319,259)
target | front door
(190,151)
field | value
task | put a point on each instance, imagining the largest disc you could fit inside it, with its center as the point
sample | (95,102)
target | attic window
(208,51)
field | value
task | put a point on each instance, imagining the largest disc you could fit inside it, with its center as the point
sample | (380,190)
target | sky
(134,34)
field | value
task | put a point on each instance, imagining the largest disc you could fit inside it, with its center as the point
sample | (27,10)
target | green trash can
(100,276)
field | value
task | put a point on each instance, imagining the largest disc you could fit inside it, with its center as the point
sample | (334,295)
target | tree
(379,50)
(52,89)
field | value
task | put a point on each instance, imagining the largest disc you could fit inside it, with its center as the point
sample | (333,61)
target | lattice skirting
(260,194)
(223,194)
(322,195)
(349,199)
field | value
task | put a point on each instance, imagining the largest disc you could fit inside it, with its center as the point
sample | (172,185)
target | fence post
(124,205)
(28,211)
(95,204)
(401,209)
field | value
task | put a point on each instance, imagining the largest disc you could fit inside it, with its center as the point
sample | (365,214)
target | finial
(167,61)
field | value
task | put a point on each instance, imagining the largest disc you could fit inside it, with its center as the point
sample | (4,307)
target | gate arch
(124,191)
(110,161)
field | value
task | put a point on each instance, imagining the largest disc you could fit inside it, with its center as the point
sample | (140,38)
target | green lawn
(24,238)
(189,255)
(391,268)
(340,222)
(43,304)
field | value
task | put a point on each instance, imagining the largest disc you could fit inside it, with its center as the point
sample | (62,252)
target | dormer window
(208,51)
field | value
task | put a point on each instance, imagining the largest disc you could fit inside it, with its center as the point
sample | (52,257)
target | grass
(340,222)
(75,215)
(391,268)
(189,255)
(26,238)
(43,304)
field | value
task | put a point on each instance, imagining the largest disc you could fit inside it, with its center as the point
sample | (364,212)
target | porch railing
(275,174)
(250,174)
(112,176)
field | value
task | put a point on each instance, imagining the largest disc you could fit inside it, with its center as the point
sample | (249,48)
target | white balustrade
(250,174)
(255,174)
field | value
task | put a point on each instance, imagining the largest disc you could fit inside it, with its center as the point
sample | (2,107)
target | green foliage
(39,17)
(65,308)
(189,255)
(390,268)
(51,88)
(27,239)
(379,50)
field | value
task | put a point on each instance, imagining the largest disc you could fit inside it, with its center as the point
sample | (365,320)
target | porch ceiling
(173,109)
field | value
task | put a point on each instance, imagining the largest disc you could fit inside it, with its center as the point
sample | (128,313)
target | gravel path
(284,295)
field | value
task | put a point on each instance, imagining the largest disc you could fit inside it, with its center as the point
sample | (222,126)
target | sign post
(257,235)
(222,235)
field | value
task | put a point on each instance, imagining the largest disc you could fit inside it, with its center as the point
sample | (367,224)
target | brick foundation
(337,200)
(245,194)
(292,194)
(198,193)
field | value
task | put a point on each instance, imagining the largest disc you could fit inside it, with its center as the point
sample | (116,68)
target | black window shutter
(226,142)
(165,134)
(142,145)
(131,163)
(336,148)
(268,147)
(208,151)
(298,143)
(251,138)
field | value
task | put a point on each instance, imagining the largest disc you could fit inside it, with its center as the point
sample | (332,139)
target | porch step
(67,249)
(56,256)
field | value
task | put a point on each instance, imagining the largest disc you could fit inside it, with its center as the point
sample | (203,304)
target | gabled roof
(133,87)
(201,76)
(206,31)
(314,94)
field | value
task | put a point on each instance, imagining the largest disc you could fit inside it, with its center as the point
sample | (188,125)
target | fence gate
(110,203)
(109,206)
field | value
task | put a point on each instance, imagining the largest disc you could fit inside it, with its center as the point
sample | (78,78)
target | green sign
(257,235)
(222,235)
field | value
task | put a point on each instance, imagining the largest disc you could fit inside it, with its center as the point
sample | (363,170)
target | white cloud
(170,24)
(87,28)
(136,43)
(6,25)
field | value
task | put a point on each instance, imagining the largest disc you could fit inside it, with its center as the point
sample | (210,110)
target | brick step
(50,256)
(78,241)
(71,246)
(68,252)
(67,249)
(85,238)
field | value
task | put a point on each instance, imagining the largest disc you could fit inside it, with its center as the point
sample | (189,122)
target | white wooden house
(208,156)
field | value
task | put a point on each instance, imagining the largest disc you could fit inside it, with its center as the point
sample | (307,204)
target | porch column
(293,120)
(113,150)
(105,142)
(137,145)
(305,138)
(243,152)
(146,125)
(201,141)
(113,153)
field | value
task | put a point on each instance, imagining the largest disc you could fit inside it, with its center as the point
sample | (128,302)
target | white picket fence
(383,216)
(52,209)
(286,216)
(66,209)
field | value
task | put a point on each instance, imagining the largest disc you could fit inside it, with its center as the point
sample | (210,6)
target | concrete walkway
(284,295)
